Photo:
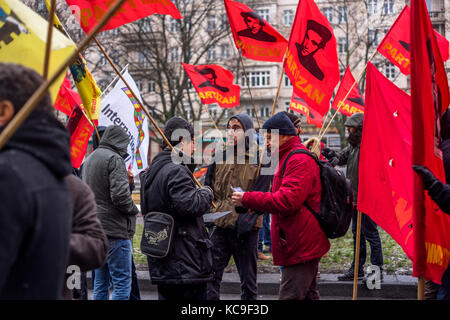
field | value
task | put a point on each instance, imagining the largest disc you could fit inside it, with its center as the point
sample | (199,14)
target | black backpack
(336,204)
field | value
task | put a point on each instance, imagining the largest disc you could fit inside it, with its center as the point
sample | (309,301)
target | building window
(139,84)
(288,17)
(173,54)
(142,59)
(144,25)
(257,78)
(342,14)
(151,86)
(390,71)
(374,39)
(211,54)
(211,22)
(174,26)
(225,51)
(251,111)
(115,57)
(342,45)
(388,7)
(264,13)
(328,13)
(264,112)
(372,7)
(213,111)
(287,82)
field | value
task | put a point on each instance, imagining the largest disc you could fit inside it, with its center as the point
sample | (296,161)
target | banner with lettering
(90,12)
(121,109)
(430,98)
(311,61)
(257,39)
(354,102)
(312,116)
(396,43)
(214,84)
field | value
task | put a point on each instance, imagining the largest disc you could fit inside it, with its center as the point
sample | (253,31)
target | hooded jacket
(296,233)
(221,175)
(104,171)
(35,210)
(169,187)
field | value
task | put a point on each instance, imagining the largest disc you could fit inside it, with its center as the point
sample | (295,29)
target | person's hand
(427,176)
(237,198)
(328,153)
(130,177)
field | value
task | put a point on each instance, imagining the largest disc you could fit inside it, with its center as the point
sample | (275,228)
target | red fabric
(311,61)
(430,97)
(67,99)
(304,239)
(354,102)
(385,160)
(80,131)
(396,43)
(312,116)
(90,12)
(214,84)
(257,39)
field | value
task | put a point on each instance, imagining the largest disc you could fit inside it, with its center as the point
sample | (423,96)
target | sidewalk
(393,287)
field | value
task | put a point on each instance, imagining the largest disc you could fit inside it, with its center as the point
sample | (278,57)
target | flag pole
(356,262)
(213,122)
(248,86)
(48,45)
(348,93)
(421,288)
(141,105)
(37,96)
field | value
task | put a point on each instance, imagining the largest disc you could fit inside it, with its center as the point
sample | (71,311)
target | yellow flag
(86,86)
(23,36)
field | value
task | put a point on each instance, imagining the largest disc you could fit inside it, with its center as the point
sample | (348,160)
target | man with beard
(350,157)
(316,37)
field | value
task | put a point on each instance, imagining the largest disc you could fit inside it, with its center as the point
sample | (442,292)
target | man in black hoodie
(36,209)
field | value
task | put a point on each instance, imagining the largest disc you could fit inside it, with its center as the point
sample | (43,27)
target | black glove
(328,153)
(427,176)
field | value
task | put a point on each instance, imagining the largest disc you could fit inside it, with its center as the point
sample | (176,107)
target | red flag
(66,100)
(312,116)
(311,59)
(254,35)
(430,98)
(385,168)
(354,102)
(214,84)
(80,130)
(90,12)
(396,43)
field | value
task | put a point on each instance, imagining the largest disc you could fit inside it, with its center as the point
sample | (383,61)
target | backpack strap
(283,169)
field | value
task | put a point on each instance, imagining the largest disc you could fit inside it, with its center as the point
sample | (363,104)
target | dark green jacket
(105,172)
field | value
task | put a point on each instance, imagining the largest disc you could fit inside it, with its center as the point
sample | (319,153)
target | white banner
(121,109)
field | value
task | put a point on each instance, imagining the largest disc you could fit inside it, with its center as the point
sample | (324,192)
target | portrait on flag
(354,102)
(311,60)
(257,39)
(214,84)
(121,109)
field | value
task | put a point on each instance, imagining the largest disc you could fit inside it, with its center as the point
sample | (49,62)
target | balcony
(437,15)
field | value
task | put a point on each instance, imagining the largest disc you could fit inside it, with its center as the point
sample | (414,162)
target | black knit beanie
(281,122)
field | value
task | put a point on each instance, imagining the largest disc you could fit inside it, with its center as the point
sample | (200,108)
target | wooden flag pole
(348,93)
(141,105)
(37,96)
(213,122)
(248,87)
(421,288)
(356,262)
(48,45)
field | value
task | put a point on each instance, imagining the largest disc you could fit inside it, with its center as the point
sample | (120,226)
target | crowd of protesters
(52,217)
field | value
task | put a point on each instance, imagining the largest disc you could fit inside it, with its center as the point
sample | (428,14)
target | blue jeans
(116,270)
(264,233)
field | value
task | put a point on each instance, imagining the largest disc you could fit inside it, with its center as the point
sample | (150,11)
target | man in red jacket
(298,242)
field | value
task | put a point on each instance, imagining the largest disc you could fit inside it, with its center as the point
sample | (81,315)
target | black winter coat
(35,210)
(172,190)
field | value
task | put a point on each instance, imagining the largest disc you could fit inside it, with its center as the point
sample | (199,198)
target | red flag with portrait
(257,39)
(90,12)
(312,116)
(354,102)
(311,61)
(396,43)
(385,188)
(214,84)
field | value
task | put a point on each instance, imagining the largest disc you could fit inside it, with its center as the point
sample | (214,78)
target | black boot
(350,274)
